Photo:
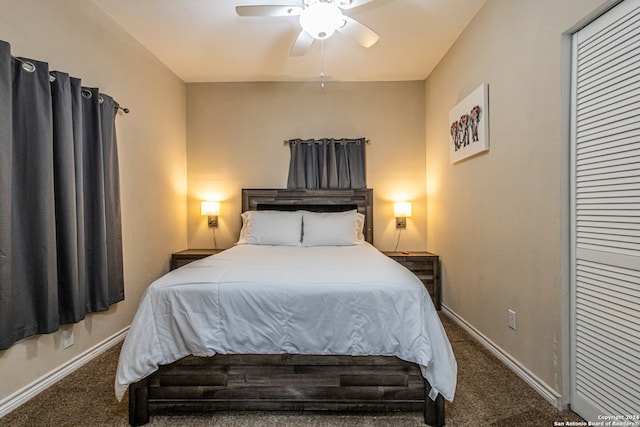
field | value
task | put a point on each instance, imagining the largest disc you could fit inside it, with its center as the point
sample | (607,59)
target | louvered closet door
(606,217)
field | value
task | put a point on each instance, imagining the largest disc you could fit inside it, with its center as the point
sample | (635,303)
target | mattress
(259,299)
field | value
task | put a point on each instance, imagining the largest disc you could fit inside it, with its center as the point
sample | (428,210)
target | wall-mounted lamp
(401,210)
(212,209)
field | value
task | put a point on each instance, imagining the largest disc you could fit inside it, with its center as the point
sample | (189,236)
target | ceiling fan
(319,19)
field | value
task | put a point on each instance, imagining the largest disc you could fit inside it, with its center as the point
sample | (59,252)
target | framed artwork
(469,125)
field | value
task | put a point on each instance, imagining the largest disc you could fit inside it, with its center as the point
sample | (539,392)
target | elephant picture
(469,127)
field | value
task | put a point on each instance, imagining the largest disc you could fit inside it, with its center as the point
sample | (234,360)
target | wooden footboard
(285,382)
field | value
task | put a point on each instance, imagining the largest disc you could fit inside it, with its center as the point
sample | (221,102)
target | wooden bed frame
(290,382)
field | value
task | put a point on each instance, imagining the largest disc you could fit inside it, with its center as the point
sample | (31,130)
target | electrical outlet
(511,319)
(67,338)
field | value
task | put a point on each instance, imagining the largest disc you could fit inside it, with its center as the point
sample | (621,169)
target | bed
(275,324)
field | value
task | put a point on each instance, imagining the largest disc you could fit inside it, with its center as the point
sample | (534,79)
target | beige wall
(499,221)
(235,135)
(74,36)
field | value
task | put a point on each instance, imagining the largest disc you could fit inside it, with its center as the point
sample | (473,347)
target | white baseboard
(29,391)
(538,385)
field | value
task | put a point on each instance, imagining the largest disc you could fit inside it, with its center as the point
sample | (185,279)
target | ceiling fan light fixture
(321,19)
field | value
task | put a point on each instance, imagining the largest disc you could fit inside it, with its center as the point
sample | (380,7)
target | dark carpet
(488,394)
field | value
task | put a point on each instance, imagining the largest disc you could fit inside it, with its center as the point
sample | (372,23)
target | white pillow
(243,231)
(359,228)
(329,229)
(271,228)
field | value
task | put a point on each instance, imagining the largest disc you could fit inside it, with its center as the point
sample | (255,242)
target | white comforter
(250,299)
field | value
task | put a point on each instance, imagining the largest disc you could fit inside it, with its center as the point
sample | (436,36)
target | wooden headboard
(312,200)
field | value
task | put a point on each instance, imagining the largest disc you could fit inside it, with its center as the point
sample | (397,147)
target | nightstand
(426,266)
(178,259)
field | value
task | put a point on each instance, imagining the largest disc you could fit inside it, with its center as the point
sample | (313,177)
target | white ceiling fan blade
(268,10)
(354,3)
(358,32)
(302,44)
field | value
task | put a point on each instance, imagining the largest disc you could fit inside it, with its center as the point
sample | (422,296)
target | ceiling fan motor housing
(339,3)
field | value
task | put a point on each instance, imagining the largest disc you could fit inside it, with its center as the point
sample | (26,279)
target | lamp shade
(402,209)
(209,208)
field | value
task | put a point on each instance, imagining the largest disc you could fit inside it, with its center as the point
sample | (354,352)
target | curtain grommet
(28,66)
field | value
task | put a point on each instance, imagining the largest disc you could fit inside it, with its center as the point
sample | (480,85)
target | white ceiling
(205,41)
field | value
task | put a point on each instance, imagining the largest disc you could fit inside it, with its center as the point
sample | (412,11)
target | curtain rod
(30,67)
(366,141)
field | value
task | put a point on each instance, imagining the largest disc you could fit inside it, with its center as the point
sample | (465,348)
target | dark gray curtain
(66,101)
(327,163)
(60,227)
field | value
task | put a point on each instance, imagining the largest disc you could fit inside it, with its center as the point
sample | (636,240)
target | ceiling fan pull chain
(322,63)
